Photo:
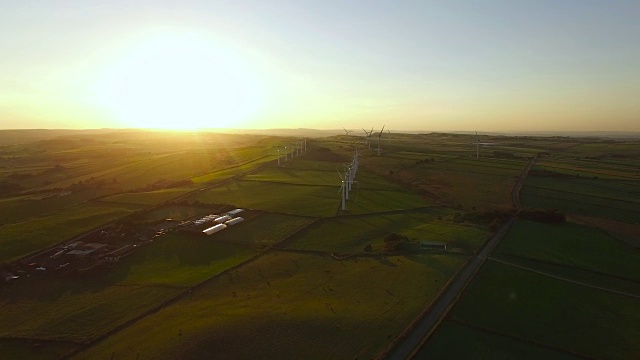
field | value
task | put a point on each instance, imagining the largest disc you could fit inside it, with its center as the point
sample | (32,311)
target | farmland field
(285,198)
(453,340)
(35,349)
(299,277)
(147,198)
(176,212)
(351,234)
(263,230)
(20,208)
(573,245)
(20,239)
(568,316)
(73,309)
(180,260)
(283,304)
(619,201)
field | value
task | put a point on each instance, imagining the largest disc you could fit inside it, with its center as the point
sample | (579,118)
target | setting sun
(179,81)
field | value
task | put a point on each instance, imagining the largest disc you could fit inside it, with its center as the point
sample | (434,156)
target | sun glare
(179,81)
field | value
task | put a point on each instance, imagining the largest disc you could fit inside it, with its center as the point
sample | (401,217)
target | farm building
(222,219)
(234,212)
(85,249)
(234,221)
(433,245)
(214,229)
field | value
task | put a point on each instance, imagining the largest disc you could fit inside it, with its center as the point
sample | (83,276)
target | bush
(394,242)
(542,215)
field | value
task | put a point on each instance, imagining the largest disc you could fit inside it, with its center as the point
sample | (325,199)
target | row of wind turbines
(367,137)
(348,179)
(296,149)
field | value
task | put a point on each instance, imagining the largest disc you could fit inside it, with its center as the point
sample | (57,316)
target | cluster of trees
(8,187)
(91,183)
(504,155)
(495,218)
(166,184)
(425,161)
(395,242)
(185,202)
(542,215)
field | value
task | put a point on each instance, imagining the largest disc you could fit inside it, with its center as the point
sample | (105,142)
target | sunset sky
(501,65)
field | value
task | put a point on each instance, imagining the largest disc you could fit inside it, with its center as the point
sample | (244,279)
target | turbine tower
(367,138)
(379,136)
(342,190)
(477,146)
(278,157)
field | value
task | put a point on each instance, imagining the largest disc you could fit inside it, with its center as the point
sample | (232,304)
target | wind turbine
(367,138)
(346,132)
(278,157)
(477,146)
(379,136)
(343,190)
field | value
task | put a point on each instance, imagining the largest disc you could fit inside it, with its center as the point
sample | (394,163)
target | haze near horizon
(415,65)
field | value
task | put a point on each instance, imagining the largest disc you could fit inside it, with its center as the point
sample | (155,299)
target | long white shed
(222,219)
(234,221)
(214,229)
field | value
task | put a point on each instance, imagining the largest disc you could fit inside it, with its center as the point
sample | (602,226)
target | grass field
(20,239)
(351,234)
(589,169)
(180,260)
(285,198)
(20,208)
(147,198)
(284,304)
(73,309)
(176,212)
(365,201)
(34,349)
(263,230)
(574,245)
(453,340)
(535,307)
(616,201)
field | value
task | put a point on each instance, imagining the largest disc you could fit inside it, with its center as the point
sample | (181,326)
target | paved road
(406,348)
(414,340)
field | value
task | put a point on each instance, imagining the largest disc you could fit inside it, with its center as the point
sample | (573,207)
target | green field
(459,182)
(351,234)
(35,349)
(147,198)
(263,230)
(365,201)
(285,198)
(176,212)
(453,340)
(618,201)
(284,304)
(535,307)
(573,245)
(20,208)
(180,260)
(17,240)
(73,309)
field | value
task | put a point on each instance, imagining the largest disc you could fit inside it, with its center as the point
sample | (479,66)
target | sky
(493,65)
